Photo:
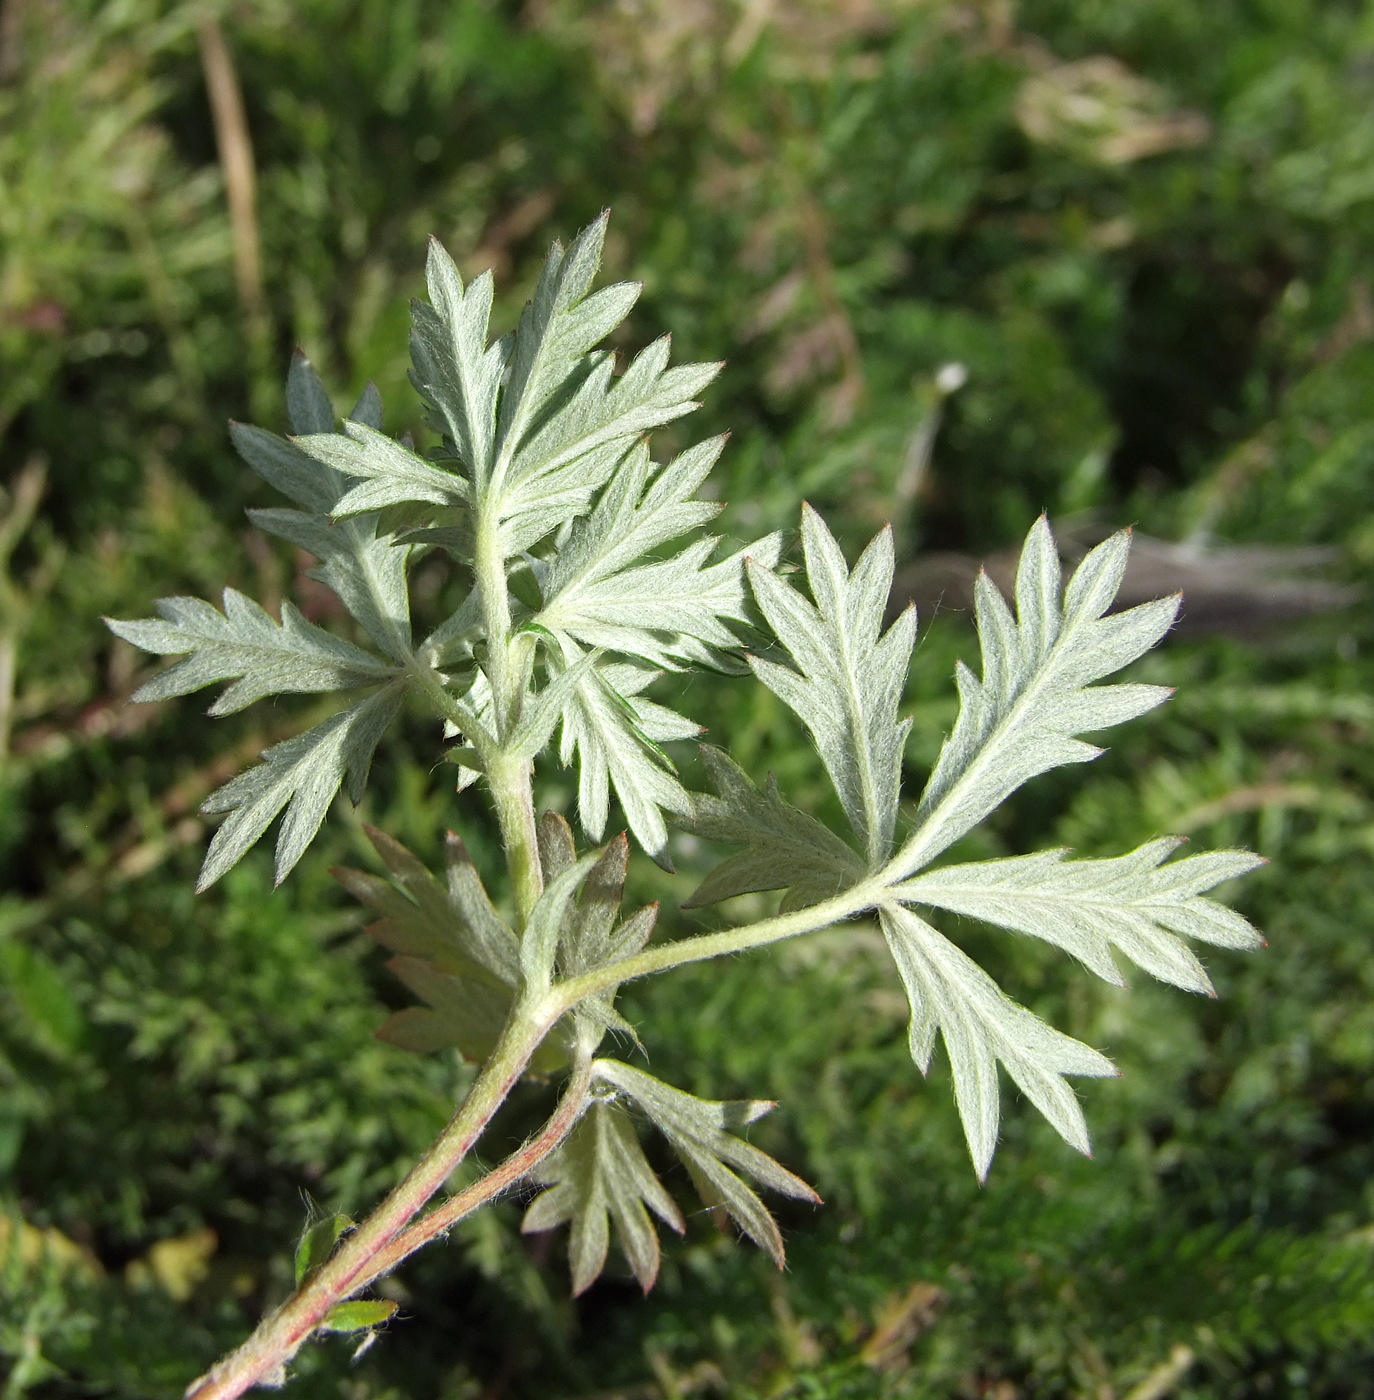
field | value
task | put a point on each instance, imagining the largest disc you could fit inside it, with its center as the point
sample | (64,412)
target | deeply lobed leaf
(980,1025)
(1134,903)
(703,1134)
(783,848)
(302,776)
(598,1177)
(1037,691)
(244,644)
(849,674)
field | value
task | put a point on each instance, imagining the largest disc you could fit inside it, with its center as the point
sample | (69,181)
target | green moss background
(1147,229)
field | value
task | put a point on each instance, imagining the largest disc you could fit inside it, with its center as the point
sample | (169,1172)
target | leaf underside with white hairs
(598,592)
(262,657)
(980,1025)
(245,645)
(364,567)
(1133,903)
(301,775)
(849,676)
(1020,719)
(600,1176)
(1037,690)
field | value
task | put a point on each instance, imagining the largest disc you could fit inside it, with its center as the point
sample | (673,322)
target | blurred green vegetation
(1145,226)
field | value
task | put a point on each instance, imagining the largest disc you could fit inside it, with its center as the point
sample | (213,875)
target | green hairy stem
(542,457)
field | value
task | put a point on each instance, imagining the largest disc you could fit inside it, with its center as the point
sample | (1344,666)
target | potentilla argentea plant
(544,478)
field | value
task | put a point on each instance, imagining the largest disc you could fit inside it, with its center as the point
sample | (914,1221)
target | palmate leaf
(703,1133)
(1036,695)
(533,425)
(1133,903)
(301,775)
(783,848)
(599,1177)
(597,591)
(980,1025)
(244,644)
(850,675)
(1036,692)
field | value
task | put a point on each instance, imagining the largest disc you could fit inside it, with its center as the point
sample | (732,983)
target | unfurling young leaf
(317,1244)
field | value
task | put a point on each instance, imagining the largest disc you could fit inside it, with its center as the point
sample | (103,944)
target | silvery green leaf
(1036,693)
(451,642)
(302,775)
(599,1177)
(981,1025)
(850,674)
(527,516)
(559,326)
(594,934)
(308,482)
(703,1134)
(456,371)
(783,848)
(570,450)
(615,735)
(390,472)
(596,592)
(1133,903)
(543,709)
(367,572)
(246,644)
